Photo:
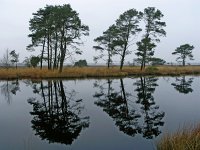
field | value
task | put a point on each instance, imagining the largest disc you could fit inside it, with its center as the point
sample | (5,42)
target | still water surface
(109,114)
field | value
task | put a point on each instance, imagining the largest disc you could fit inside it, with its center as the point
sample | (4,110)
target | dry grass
(70,72)
(170,70)
(75,72)
(187,138)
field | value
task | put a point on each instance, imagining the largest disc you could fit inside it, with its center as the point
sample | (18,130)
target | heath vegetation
(186,138)
(84,72)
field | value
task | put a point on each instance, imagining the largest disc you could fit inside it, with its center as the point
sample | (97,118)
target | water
(113,114)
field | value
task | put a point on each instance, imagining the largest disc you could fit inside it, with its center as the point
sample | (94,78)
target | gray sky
(181,16)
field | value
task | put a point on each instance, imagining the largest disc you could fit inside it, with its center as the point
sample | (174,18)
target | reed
(76,72)
(187,138)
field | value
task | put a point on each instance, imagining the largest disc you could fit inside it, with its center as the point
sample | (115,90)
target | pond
(95,114)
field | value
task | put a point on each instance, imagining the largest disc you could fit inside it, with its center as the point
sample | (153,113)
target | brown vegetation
(187,138)
(84,72)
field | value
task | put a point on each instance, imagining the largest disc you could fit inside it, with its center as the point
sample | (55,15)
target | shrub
(81,63)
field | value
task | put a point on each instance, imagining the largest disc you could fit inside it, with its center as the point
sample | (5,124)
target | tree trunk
(48,49)
(108,65)
(183,62)
(122,63)
(41,58)
(62,58)
(141,68)
(51,54)
(61,64)
(122,59)
(144,57)
(55,57)
(57,64)
(109,60)
(62,50)
(123,54)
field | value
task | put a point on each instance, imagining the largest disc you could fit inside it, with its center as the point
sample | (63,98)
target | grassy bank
(187,138)
(75,72)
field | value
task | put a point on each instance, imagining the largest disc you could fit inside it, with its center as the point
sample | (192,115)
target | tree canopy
(106,44)
(57,29)
(14,57)
(183,52)
(120,38)
(128,27)
(153,30)
(34,60)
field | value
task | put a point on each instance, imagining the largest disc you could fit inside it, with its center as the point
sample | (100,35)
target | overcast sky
(181,16)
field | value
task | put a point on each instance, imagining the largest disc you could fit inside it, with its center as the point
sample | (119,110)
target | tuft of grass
(85,72)
(187,138)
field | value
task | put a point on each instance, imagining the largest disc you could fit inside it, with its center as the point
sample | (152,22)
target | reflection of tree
(10,88)
(152,118)
(124,111)
(57,117)
(182,85)
(115,104)
(35,85)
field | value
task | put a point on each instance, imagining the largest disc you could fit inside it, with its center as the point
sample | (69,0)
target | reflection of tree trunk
(109,86)
(8,93)
(144,94)
(142,86)
(49,98)
(184,83)
(124,96)
(43,95)
(109,90)
(51,91)
(56,97)
(64,100)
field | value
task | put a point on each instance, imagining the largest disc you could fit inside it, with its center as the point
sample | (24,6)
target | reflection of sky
(16,132)
(180,16)
(180,109)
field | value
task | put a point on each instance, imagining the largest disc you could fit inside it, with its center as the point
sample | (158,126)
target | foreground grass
(75,72)
(187,138)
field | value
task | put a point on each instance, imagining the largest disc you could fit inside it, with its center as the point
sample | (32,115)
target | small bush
(81,63)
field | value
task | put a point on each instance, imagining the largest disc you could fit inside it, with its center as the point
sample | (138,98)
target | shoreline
(96,72)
